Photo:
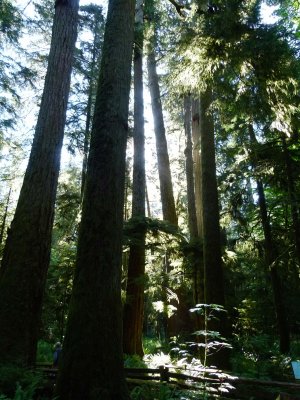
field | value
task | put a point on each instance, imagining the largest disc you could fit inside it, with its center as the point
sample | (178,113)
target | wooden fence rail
(185,380)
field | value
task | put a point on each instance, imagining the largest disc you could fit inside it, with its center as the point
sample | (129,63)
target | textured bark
(199,262)
(92,78)
(3,224)
(134,306)
(197,164)
(92,358)
(196,244)
(164,172)
(27,250)
(214,287)
(189,166)
(212,259)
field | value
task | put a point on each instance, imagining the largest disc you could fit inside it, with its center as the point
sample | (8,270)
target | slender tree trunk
(91,76)
(27,249)
(148,202)
(134,306)
(3,225)
(92,358)
(271,255)
(164,172)
(189,166)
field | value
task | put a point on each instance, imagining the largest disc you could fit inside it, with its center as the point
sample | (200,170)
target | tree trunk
(134,306)
(92,358)
(197,164)
(199,262)
(3,225)
(164,172)
(27,250)
(212,259)
(92,78)
(271,255)
(189,166)
(214,287)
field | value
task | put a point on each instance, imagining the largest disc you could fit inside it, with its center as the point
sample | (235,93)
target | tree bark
(134,306)
(3,224)
(91,76)
(164,171)
(92,358)
(212,258)
(199,262)
(214,287)
(196,246)
(27,249)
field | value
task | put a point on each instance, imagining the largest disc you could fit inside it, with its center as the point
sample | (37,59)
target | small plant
(133,361)
(157,392)
(18,383)
(44,352)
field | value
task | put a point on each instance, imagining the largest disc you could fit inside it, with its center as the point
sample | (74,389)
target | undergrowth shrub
(18,383)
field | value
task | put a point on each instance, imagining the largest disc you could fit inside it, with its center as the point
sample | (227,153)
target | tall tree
(214,286)
(134,306)
(164,172)
(271,259)
(92,362)
(27,249)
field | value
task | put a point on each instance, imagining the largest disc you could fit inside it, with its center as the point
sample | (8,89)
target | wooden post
(164,373)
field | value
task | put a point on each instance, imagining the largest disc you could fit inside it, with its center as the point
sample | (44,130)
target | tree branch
(179,7)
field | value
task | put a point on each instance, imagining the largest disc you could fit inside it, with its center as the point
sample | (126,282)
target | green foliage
(10,21)
(151,345)
(160,391)
(257,356)
(18,383)
(133,361)
(44,352)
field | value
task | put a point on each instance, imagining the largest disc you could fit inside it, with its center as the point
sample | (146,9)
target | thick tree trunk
(199,262)
(197,164)
(27,250)
(212,259)
(92,358)
(134,306)
(214,287)
(196,247)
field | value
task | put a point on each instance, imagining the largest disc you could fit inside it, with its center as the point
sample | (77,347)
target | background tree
(134,306)
(27,250)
